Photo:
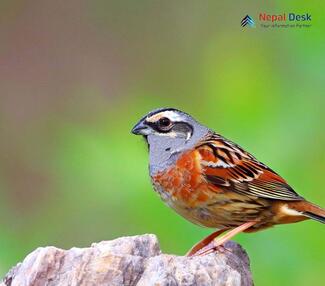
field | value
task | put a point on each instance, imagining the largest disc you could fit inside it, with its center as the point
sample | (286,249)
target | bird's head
(165,122)
(169,131)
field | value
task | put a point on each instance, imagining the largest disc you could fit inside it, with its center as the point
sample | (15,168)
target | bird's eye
(164,123)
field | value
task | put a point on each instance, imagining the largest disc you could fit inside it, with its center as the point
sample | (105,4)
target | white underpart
(286,210)
(220,163)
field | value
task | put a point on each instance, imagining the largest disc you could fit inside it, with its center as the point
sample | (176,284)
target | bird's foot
(212,248)
(204,243)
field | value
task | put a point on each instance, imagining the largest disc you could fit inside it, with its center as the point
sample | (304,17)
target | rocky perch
(135,260)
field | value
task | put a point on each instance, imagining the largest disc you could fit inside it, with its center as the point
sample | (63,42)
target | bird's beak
(140,129)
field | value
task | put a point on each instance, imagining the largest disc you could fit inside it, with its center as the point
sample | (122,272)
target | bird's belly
(197,215)
(219,211)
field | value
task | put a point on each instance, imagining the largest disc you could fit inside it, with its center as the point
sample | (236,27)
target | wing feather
(227,165)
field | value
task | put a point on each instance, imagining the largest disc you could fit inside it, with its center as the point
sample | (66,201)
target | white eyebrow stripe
(172,115)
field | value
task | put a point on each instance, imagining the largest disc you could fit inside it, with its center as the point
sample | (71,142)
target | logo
(279,20)
(247,20)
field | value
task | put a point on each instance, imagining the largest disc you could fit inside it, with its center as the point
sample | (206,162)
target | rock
(135,260)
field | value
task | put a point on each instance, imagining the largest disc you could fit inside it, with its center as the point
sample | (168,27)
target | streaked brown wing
(228,166)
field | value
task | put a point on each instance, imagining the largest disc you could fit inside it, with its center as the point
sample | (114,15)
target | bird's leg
(220,241)
(204,242)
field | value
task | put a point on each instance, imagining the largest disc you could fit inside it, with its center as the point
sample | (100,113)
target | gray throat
(165,150)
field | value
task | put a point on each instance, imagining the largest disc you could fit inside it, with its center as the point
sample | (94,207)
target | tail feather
(314,216)
(309,210)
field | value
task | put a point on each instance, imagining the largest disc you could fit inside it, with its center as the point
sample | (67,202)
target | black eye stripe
(155,126)
(178,127)
(162,125)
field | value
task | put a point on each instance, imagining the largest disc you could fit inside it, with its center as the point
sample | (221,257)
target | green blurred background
(76,75)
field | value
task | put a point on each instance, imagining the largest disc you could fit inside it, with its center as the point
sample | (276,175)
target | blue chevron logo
(247,21)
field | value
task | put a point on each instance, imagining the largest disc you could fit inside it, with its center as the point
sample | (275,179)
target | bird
(213,182)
